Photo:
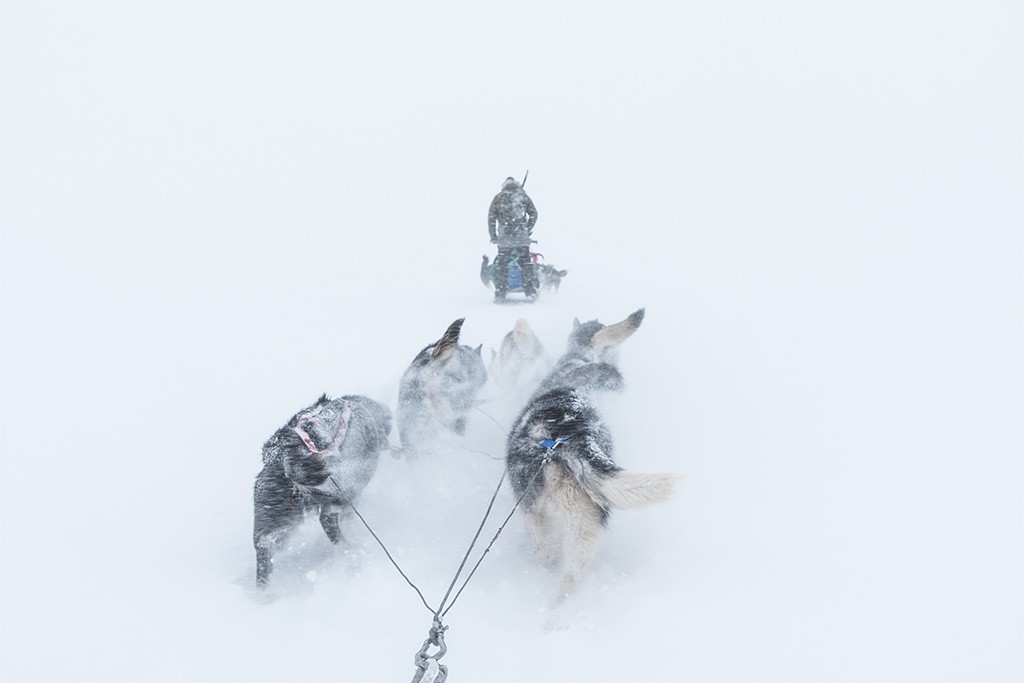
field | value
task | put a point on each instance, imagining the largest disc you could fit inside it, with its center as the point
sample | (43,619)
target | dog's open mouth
(313,417)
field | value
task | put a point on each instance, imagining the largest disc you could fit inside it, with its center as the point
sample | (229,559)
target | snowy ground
(213,212)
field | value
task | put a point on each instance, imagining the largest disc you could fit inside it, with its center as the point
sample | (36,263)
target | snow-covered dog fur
(319,462)
(438,390)
(560,454)
(520,363)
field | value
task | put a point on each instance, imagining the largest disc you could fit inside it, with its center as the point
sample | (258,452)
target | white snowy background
(214,211)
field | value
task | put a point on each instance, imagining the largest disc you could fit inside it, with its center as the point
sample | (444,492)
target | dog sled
(543,276)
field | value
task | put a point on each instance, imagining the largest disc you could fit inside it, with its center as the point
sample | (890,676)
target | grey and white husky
(320,461)
(438,389)
(560,454)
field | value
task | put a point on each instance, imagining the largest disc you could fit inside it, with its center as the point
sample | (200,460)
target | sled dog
(520,363)
(551,277)
(560,454)
(320,461)
(438,389)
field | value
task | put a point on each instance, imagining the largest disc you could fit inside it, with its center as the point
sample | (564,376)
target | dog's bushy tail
(626,490)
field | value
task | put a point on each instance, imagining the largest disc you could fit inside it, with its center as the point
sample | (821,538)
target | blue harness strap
(552,444)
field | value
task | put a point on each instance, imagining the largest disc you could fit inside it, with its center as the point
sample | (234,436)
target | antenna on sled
(525,176)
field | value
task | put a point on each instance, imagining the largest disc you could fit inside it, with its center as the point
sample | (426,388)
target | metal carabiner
(431,672)
(428,670)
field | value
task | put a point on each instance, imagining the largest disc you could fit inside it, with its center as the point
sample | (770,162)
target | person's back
(512,216)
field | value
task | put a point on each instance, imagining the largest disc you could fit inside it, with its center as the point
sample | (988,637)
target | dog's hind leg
(275,515)
(546,516)
(545,544)
(583,529)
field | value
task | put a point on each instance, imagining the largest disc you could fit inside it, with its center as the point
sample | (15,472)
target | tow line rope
(428,669)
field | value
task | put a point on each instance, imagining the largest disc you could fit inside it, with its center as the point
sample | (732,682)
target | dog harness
(552,444)
(339,436)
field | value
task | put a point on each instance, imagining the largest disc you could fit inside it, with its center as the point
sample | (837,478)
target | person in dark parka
(510,222)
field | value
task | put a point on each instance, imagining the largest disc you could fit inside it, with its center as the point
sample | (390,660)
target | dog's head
(521,344)
(589,360)
(310,438)
(595,342)
(322,426)
(520,358)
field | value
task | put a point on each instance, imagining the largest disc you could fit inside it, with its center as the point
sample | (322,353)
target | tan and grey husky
(560,454)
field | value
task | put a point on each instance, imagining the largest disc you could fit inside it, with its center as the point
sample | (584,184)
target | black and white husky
(560,454)
(319,462)
(438,389)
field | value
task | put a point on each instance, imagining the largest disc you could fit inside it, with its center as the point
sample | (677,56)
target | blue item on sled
(515,276)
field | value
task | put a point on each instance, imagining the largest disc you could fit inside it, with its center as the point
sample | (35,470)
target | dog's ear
(562,273)
(480,350)
(575,323)
(448,342)
(613,335)
(494,354)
